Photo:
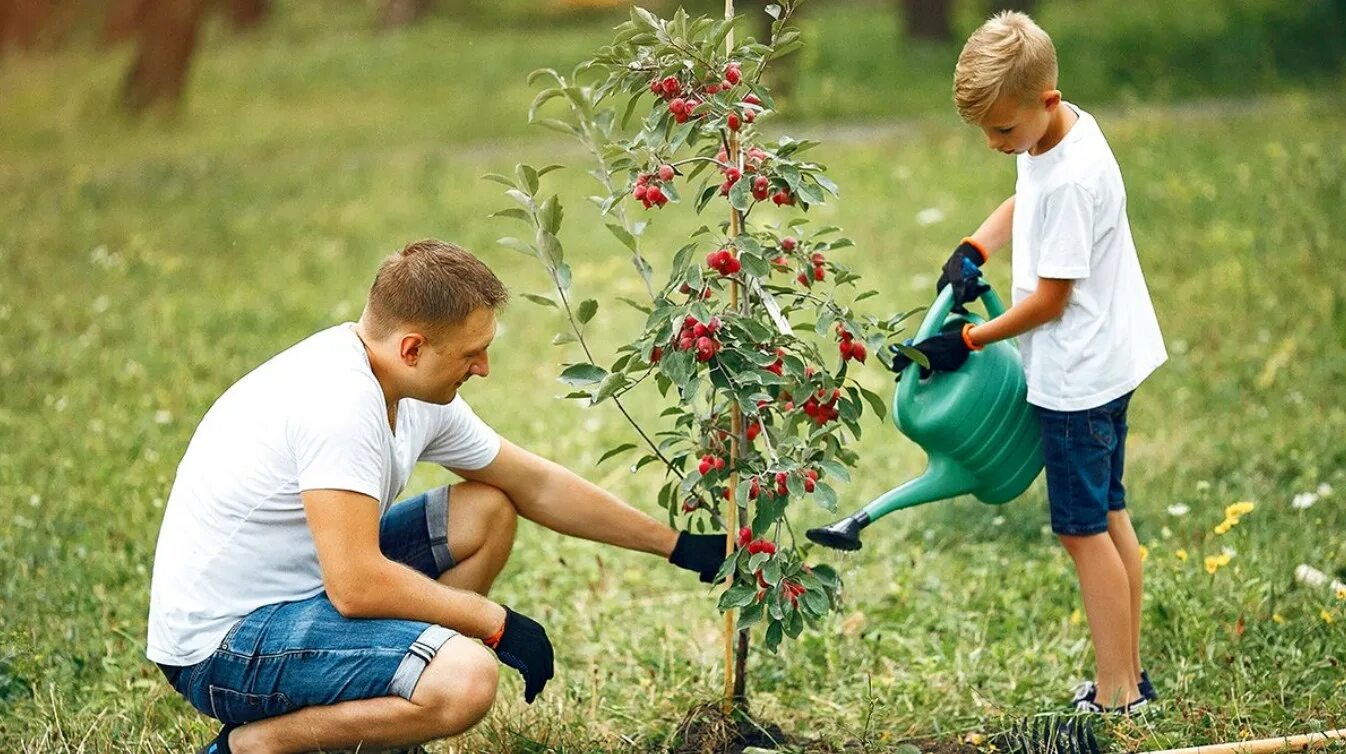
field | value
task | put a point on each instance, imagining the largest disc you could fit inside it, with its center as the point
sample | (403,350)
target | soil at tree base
(706,729)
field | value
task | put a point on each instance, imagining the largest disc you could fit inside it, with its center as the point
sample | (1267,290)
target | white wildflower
(1178,509)
(929,216)
(1304,500)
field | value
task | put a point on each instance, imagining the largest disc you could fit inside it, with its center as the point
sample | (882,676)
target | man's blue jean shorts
(289,655)
(1084,452)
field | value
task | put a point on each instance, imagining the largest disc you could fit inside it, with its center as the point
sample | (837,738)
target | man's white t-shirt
(1070,222)
(234,536)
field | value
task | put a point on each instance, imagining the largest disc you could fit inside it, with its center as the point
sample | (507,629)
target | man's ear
(410,348)
(1051,99)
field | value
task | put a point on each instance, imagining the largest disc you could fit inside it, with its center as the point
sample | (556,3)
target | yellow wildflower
(1326,616)
(1144,553)
(1214,562)
(1276,618)
(1341,592)
(1075,617)
(1181,554)
(1238,509)
(1225,525)
(975,739)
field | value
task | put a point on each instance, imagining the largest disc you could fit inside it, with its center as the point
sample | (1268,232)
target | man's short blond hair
(1008,56)
(430,284)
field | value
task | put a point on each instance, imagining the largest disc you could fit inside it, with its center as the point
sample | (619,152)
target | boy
(1089,332)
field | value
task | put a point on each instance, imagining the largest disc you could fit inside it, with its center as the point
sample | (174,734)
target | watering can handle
(939,311)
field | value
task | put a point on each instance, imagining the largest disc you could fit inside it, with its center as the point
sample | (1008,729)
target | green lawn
(148,266)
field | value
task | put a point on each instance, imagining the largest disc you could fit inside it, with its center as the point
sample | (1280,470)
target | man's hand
(963,272)
(523,645)
(946,352)
(701,553)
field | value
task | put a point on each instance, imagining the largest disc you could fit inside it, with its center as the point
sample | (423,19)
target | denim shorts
(1083,452)
(289,655)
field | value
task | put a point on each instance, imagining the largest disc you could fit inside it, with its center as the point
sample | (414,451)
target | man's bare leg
(481,527)
(455,692)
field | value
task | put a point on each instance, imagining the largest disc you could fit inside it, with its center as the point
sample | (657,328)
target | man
(292,602)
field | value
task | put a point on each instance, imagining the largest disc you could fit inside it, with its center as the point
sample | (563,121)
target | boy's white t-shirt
(1070,222)
(235,536)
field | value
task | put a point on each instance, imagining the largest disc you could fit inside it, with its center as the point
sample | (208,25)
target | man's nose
(482,368)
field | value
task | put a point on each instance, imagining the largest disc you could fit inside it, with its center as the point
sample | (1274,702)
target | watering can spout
(943,479)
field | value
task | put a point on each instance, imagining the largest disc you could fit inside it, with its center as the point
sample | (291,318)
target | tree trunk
(167,41)
(123,19)
(1027,6)
(23,22)
(245,15)
(928,19)
(398,13)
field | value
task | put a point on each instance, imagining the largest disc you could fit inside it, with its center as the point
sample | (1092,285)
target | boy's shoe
(1146,688)
(1086,700)
(221,743)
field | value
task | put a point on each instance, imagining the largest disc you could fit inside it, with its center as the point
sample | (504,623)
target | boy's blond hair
(1008,56)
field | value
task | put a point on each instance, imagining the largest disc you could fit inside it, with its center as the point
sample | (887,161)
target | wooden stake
(1264,745)
(731,680)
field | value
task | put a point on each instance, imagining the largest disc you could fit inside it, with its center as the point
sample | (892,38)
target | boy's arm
(995,230)
(1043,305)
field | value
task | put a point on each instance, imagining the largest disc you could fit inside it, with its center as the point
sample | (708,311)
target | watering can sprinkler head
(842,535)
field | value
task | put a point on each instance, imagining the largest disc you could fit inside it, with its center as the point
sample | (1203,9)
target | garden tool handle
(1263,745)
(939,311)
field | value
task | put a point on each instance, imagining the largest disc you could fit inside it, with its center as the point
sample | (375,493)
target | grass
(148,266)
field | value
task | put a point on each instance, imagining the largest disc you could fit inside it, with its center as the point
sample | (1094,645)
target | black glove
(525,647)
(702,553)
(946,352)
(963,272)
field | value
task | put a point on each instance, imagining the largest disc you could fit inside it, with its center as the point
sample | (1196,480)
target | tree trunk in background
(167,35)
(1026,6)
(22,22)
(123,19)
(245,15)
(928,19)
(398,13)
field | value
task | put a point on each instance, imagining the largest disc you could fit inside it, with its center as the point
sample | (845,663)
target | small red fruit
(859,352)
(781,197)
(670,86)
(744,536)
(819,273)
(732,74)
(656,354)
(665,172)
(639,192)
(719,463)
(751,99)
(733,122)
(809,484)
(818,257)
(749,116)
(847,349)
(713,88)
(655,195)
(789,243)
(803,279)
(753,431)
(705,466)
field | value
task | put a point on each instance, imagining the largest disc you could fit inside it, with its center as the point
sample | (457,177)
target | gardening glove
(523,645)
(963,272)
(946,352)
(701,553)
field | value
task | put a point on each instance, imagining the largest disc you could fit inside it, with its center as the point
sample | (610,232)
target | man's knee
(458,687)
(490,504)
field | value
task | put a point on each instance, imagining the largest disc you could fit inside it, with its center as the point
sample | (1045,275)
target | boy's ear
(1050,98)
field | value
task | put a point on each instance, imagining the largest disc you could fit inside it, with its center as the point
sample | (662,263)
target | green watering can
(975,423)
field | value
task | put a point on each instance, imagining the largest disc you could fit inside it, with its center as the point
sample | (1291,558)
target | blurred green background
(148,260)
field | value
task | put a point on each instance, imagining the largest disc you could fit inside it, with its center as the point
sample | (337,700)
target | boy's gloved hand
(946,352)
(523,645)
(700,553)
(963,272)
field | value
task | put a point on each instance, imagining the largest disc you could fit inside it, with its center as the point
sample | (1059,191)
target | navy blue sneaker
(1146,688)
(1086,700)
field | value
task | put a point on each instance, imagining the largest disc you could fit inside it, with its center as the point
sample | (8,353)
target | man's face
(1013,127)
(452,358)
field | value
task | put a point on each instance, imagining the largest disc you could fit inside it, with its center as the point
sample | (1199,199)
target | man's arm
(1043,305)
(362,583)
(547,493)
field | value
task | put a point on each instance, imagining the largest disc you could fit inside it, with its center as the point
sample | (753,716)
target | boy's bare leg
(455,691)
(1107,605)
(1128,547)
(481,527)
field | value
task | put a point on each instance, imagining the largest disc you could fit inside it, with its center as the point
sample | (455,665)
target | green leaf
(825,496)
(738,595)
(750,615)
(773,636)
(615,451)
(550,213)
(561,338)
(563,276)
(499,179)
(540,100)
(523,199)
(543,171)
(579,375)
(773,10)
(623,235)
(740,196)
(557,125)
(630,108)
(875,402)
(514,213)
(834,469)
(587,309)
(520,246)
(550,247)
(544,72)
(542,300)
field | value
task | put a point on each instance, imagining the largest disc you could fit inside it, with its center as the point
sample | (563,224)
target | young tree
(760,416)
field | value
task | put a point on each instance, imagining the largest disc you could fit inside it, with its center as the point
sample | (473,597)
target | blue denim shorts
(289,655)
(1084,452)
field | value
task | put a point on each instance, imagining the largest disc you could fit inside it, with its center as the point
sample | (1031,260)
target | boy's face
(1013,127)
